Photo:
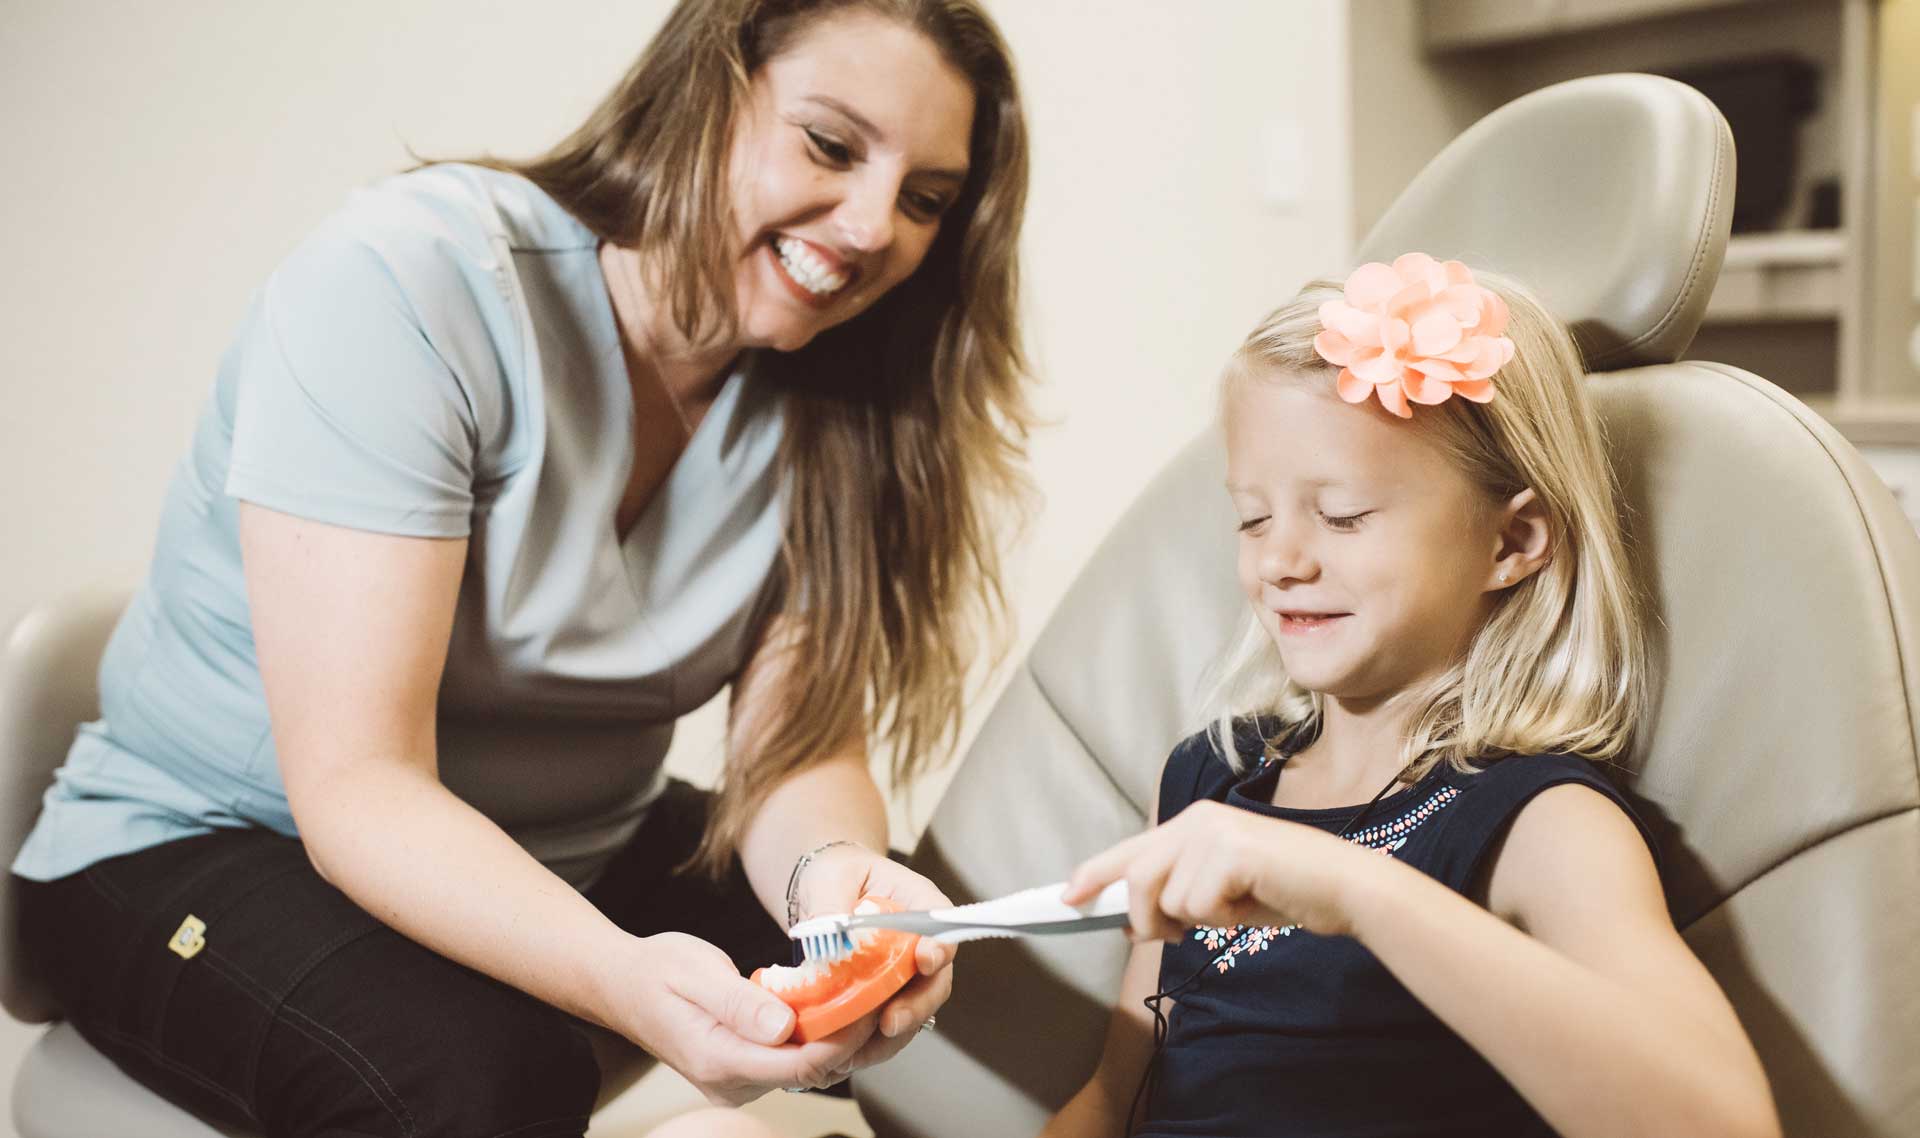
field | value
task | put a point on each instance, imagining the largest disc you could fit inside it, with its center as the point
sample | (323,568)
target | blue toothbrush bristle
(828,946)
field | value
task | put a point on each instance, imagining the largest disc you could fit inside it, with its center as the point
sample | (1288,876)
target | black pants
(303,1015)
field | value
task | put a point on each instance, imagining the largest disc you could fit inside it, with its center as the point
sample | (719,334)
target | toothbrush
(1030,912)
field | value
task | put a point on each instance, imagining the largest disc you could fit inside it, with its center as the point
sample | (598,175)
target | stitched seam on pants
(160,1059)
(275,1001)
(400,1104)
(397,1108)
(281,1012)
(319,955)
(104,887)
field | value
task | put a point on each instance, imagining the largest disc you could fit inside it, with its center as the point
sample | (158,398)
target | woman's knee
(538,1081)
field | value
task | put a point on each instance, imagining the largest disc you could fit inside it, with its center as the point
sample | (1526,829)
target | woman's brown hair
(905,427)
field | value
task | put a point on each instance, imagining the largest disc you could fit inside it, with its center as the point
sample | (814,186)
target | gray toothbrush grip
(926,924)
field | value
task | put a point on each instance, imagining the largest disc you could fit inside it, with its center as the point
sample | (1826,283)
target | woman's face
(852,145)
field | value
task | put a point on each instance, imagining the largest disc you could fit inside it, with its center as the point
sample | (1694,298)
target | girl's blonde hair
(1561,664)
(905,437)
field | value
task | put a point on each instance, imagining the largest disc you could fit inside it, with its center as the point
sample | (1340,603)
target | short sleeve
(1494,798)
(1194,768)
(344,411)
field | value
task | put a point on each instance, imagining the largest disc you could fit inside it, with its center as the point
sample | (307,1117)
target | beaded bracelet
(793,879)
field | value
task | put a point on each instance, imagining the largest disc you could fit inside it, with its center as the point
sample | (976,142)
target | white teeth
(805,266)
(780,978)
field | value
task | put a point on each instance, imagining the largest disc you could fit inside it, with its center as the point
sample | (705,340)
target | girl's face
(1367,556)
(851,146)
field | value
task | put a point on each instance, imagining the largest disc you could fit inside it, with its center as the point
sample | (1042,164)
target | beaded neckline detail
(1235,941)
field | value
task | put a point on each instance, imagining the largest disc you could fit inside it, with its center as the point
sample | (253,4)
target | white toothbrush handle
(1033,911)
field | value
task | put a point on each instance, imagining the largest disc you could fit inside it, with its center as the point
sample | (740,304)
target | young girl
(1396,895)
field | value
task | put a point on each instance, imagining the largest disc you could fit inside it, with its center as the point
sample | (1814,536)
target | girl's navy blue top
(1287,1033)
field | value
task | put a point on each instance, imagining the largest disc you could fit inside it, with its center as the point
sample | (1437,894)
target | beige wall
(162,157)
(1893,263)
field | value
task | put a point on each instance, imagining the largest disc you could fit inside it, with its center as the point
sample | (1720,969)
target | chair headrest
(1610,197)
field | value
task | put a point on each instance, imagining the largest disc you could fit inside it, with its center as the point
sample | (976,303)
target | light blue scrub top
(439,360)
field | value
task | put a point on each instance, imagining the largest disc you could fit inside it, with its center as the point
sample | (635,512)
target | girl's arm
(1588,1002)
(1100,1108)
(351,630)
(1592,1007)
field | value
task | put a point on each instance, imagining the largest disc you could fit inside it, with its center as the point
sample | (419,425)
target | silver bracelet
(793,879)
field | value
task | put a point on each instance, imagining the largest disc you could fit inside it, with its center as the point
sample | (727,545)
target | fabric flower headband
(1418,330)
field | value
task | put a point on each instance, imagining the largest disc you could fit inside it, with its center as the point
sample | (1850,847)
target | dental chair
(1779,771)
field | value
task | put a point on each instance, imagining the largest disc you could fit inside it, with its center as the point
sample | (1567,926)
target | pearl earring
(1503,578)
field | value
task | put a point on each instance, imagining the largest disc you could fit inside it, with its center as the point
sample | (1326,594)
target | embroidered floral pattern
(1385,839)
(1239,939)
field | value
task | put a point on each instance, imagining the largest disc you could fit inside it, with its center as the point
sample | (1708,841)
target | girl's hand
(1212,864)
(834,882)
(682,1000)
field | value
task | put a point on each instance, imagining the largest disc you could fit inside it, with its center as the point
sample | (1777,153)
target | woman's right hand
(684,1002)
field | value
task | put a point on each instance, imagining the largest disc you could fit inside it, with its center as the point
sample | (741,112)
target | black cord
(1163,1021)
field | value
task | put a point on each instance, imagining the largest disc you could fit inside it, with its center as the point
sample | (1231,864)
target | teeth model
(780,978)
(803,265)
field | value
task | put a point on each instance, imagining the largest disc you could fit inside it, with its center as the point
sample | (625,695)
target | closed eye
(1344,523)
(1252,524)
(924,206)
(835,152)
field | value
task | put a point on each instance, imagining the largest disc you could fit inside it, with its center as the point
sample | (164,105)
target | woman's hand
(834,882)
(682,1000)
(1212,864)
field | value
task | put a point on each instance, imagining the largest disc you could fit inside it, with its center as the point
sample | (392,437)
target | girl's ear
(1526,540)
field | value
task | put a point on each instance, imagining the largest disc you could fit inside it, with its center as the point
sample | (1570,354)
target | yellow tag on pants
(189,938)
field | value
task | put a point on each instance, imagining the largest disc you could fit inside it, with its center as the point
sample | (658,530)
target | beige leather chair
(1780,769)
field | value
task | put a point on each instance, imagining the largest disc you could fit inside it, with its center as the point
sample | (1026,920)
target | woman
(509,466)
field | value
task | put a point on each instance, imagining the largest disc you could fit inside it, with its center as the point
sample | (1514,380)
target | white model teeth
(803,265)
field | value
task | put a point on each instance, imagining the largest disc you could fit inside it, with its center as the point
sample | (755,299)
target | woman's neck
(692,373)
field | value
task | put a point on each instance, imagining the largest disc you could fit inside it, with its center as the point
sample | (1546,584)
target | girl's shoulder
(1493,794)
(1513,780)
(1198,769)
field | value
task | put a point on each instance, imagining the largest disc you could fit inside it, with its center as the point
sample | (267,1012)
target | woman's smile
(812,274)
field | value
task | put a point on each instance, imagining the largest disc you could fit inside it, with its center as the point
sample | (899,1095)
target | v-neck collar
(699,449)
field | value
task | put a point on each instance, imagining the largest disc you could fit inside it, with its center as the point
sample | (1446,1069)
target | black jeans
(304,1015)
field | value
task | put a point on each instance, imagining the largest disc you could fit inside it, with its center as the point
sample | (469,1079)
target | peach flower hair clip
(1416,331)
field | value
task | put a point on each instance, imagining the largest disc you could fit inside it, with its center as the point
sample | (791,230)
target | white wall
(162,157)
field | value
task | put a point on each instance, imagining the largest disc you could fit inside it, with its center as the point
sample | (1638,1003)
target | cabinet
(1831,313)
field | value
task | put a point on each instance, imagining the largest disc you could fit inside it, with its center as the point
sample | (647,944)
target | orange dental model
(828,995)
